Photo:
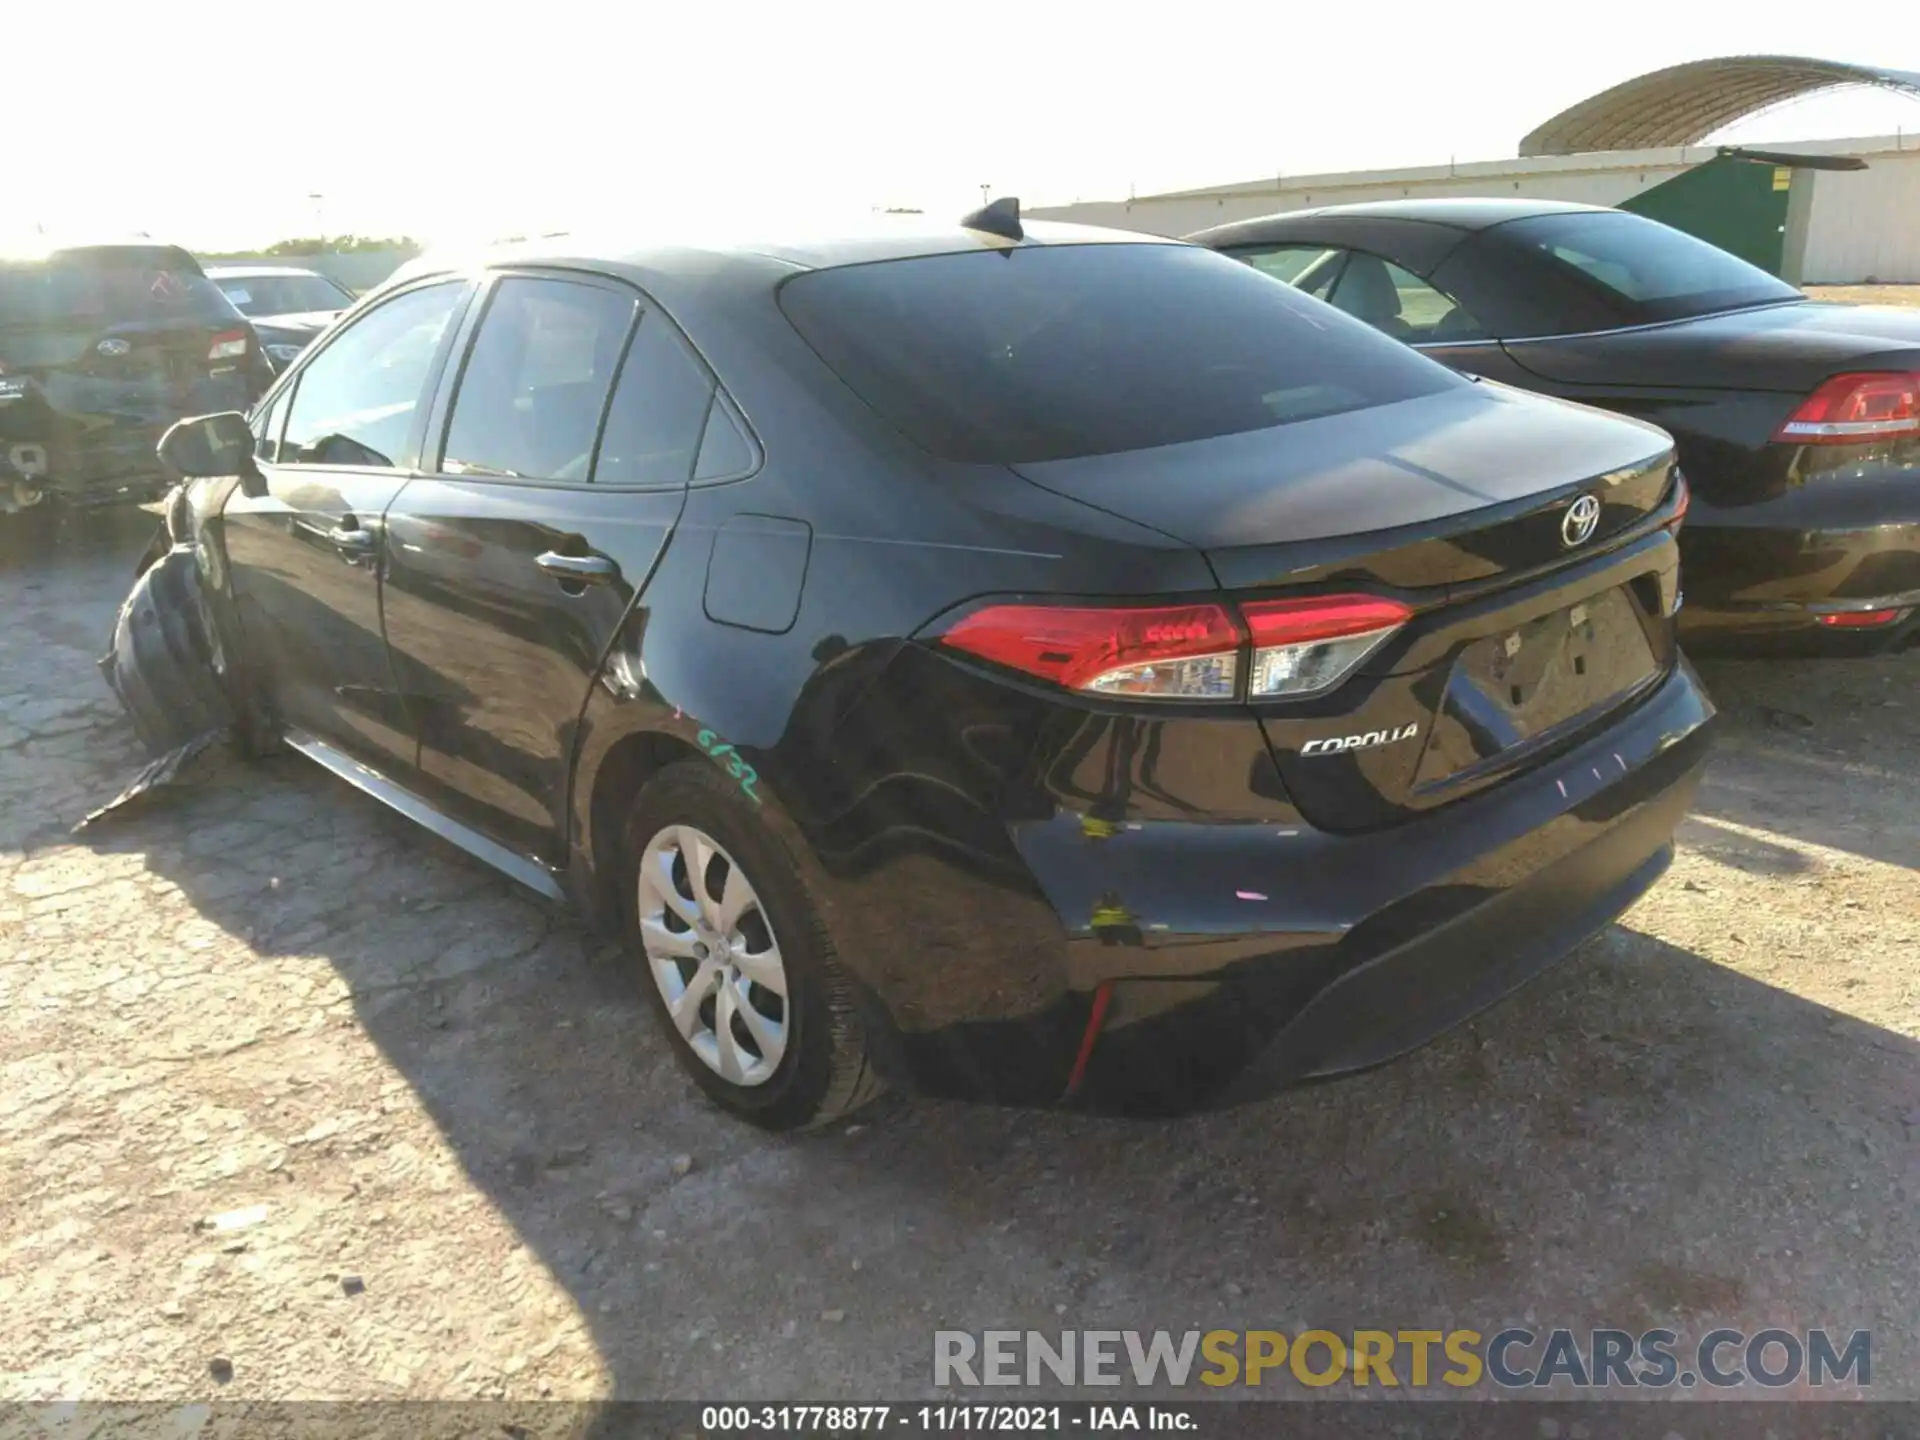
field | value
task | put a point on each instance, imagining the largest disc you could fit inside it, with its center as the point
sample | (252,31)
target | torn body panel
(167,665)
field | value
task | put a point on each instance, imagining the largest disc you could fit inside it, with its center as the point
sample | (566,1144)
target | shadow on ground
(1826,751)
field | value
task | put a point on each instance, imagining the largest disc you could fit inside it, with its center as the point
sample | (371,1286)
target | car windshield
(107,285)
(1048,352)
(1644,270)
(283,294)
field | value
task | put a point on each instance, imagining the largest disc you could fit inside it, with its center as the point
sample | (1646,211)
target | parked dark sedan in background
(1034,664)
(102,347)
(287,305)
(1798,422)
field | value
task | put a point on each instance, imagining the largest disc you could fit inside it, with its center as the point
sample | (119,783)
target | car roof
(1468,212)
(45,247)
(691,252)
(249,272)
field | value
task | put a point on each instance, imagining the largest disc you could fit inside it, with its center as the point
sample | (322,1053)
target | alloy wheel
(713,955)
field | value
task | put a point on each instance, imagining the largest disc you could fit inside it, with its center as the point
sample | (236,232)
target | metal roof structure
(1683,104)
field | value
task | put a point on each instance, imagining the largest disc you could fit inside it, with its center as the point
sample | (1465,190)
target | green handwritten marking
(736,767)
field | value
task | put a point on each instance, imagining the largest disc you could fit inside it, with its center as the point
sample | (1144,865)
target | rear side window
(1642,270)
(109,285)
(1056,351)
(354,402)
(659,411)
(536,380)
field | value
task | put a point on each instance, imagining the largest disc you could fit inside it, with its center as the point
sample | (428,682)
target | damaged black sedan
(1020,662)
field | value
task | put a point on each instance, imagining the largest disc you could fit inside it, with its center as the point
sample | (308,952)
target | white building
(1841,226)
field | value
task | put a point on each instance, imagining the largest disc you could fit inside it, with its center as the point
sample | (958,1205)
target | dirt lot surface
(291,1088)
(1867,294)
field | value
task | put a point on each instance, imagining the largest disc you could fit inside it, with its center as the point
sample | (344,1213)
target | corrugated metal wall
(1866,223)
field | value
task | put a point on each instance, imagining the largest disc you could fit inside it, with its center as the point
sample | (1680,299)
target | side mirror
(210,445)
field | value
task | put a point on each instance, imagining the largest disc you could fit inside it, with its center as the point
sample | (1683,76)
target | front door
(568,447)
(307,550)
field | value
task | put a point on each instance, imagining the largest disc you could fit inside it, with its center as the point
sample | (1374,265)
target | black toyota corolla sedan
(1026,663)
(1798,423)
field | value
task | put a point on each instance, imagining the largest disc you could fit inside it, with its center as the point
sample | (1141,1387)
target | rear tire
(736,964)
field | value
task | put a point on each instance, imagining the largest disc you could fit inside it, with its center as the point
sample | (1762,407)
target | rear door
(307,551)
(558,473)
(104,347)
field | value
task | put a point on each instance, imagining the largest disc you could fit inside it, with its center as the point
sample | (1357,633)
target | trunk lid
(1786,348)
(1452,488)
(1526,629)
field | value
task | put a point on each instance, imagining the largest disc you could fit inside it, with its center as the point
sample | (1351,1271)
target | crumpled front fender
(165,663)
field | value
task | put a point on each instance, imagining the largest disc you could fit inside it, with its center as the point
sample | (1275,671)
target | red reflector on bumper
(1102,996)
(1859,619)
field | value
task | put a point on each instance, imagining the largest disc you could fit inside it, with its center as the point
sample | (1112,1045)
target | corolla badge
(1580,521)
(113,347)
(1340,744)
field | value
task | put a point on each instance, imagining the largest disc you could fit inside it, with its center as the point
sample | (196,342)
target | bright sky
(211,123)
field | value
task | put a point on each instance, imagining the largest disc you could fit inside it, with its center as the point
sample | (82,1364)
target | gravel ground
(1867,294)
(301,1103)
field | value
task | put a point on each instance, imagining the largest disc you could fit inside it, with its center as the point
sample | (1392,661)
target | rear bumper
(1237,960)
(115,470)
(1399,1001)
(1761,576)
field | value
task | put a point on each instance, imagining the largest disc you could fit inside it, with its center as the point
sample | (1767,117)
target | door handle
(352,538)
(582,569)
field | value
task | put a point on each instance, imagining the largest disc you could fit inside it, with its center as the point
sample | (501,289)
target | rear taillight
(228,345)
(1682,501)
(1301,647)
(1855,410)
(1183,652)
(1175,652)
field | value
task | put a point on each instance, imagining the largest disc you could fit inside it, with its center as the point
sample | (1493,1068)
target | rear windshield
(283,294)
(1645,271)
(108,286)
(1051,352)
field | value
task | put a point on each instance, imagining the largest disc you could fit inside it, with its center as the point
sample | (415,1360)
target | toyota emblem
(113,346)
(1580,521)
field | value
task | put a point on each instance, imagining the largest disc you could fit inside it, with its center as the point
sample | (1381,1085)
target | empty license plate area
(1521,687)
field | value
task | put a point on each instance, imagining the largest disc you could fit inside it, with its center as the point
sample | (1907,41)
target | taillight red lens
(1305,646)
(1682,501)
(1183,652)
(1855,410)
(1175,652)
(228,345)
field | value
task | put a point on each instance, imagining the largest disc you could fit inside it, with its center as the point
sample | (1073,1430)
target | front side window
(354,403)
(1049,352)
(266,430)
(1642,270)
(1400,303)
(536,380)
